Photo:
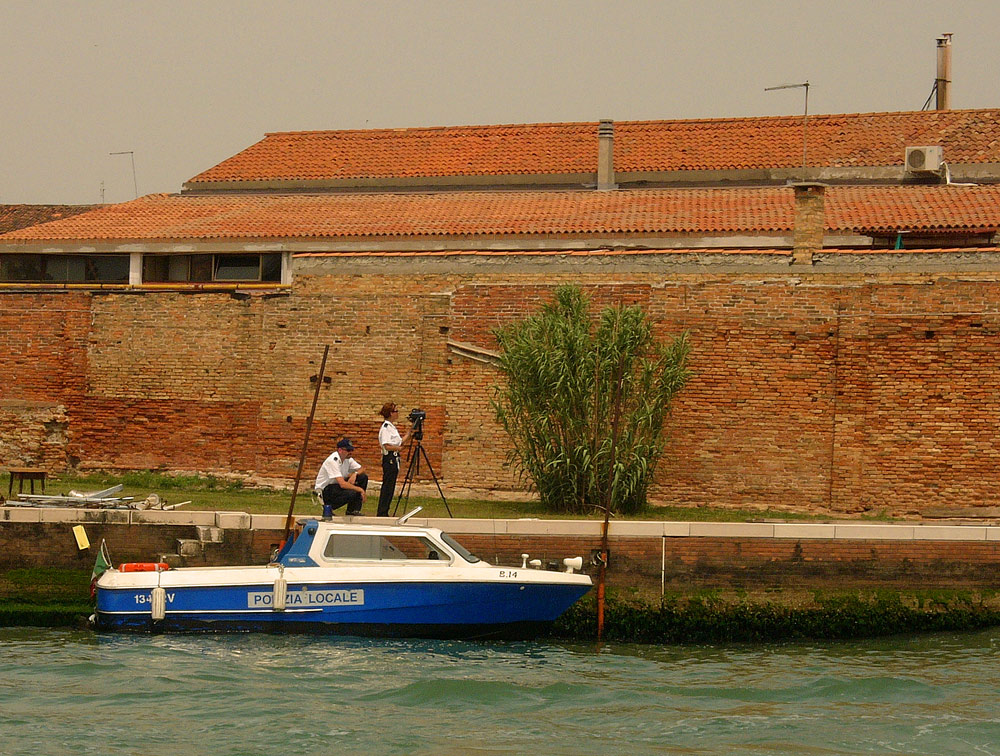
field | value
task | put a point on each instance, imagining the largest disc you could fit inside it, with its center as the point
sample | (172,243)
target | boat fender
(280,592)
(143,567)
(535,563)
(158,604)
(572,564)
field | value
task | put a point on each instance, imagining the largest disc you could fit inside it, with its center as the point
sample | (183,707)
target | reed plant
(568,379)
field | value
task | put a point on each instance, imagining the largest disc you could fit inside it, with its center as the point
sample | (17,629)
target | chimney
(942,84)
(810,221)
(606,156)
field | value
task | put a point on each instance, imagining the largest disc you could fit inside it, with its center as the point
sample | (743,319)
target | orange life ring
(143,567)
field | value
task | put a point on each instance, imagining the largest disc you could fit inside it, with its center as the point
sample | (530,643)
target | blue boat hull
(428,610)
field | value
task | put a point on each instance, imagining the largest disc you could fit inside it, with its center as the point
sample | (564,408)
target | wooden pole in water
(603,568)
(305,445)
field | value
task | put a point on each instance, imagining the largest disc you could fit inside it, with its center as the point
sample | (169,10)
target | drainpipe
(606,156)
(810,221)
(942,84)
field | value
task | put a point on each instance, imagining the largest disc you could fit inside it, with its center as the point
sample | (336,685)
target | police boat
(342,578)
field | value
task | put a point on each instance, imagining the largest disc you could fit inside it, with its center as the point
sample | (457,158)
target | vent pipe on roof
(606,155)
(942,84)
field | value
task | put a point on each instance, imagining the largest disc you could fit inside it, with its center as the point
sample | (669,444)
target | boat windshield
(373,547)
(463,552)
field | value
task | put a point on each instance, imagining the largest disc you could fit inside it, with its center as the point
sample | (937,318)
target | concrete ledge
(107,516)
(875,532)
(267,522)
(553,527)
(677,529)
(478,527)
(233,520)
(635,529)
(733,529)
(20,514)
(795,530)
(949,533)
(526,526)
(50,514)
(172,517)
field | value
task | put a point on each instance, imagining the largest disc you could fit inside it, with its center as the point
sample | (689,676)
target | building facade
(844,316)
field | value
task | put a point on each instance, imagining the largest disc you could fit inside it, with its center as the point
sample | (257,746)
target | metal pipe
(942,84)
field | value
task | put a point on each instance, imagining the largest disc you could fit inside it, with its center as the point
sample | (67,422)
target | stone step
(209,534)
(190,547)
(174,560)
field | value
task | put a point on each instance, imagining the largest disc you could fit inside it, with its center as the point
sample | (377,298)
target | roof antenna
(131,154)
(805,113)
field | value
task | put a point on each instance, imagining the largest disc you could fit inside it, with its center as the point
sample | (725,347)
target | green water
(71,692)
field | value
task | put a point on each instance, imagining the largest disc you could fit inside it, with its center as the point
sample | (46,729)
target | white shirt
(334,467)
(388,435)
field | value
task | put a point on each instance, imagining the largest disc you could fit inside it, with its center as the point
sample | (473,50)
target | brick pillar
(810,222)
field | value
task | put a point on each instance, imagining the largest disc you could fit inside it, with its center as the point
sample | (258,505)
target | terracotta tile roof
(13,217)
(651,211)
(853,139)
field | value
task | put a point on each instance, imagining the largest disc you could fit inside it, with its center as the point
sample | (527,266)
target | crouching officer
(342,480)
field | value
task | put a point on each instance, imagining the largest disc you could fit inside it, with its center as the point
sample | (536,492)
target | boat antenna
(305,444)
(408,515)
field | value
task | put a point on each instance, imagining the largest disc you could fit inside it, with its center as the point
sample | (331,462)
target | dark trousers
(390,471)
(334,497)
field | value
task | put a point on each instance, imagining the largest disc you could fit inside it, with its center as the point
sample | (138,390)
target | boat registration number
(305,598)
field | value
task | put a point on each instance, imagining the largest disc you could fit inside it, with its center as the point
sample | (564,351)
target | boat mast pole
(305,445)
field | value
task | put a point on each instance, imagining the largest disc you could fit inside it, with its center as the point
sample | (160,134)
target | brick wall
(832,391)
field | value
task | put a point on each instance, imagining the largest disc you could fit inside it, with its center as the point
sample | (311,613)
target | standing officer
(391,443)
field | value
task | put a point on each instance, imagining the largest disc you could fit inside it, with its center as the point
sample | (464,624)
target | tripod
(413,454)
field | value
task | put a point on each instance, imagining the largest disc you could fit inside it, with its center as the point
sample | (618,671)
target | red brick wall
(834,392)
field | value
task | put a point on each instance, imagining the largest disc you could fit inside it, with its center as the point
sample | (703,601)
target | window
(264,268)
(64,268)
(375,548)
(463,552)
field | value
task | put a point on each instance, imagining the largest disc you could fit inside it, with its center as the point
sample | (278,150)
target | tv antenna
(805,112)
(131,154)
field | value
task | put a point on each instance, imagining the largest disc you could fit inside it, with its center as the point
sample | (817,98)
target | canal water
(72,692)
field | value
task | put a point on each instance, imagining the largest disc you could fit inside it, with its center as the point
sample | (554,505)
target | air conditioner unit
(924,159)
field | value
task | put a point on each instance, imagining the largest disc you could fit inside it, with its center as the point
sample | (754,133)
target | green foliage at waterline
(704,619)
(585,403)
(44,597)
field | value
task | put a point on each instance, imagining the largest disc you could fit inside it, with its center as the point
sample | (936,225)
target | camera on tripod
(416,418)
(415,452)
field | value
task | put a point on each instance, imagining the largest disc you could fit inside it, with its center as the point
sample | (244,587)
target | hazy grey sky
(187,83)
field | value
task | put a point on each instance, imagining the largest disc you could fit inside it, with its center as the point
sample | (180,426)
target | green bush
(585,403)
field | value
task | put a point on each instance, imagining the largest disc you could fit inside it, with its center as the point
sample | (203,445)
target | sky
(184,84)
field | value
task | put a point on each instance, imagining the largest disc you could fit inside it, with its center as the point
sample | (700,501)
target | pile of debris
(106,499)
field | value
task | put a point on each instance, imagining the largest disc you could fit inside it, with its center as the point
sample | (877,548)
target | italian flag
(102,565)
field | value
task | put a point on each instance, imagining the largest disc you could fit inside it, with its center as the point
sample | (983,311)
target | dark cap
(345,443)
